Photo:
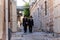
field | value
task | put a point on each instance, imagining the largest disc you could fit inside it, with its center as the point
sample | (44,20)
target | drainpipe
(6,18)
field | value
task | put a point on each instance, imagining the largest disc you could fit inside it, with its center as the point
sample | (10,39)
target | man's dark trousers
(30,29)
(25,29)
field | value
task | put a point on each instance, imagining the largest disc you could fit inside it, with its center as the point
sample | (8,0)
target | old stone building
(2,20)
(56,14)
(12,15)
(8,17)
(34,10)
(46,15)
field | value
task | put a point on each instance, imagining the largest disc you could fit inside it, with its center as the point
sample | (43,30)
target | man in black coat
(25,22)
(30,23)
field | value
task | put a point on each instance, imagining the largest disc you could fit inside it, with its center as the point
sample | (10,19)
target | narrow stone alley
(33,36)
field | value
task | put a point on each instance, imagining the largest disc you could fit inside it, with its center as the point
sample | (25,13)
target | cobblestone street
(33,36)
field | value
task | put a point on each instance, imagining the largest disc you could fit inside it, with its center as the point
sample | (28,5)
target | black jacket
(25,22)
(30,22)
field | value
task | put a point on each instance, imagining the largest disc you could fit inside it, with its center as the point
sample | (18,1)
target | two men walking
(28,22)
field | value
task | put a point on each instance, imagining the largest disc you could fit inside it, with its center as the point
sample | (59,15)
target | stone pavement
(33,36)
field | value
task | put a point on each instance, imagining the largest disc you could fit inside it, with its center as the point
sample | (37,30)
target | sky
(21,3)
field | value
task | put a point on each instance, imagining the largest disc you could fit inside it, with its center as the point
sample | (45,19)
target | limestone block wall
(57,16)
(40,19)
(46,19)
(14,17)
(35,11)
(51,21)
(1,18)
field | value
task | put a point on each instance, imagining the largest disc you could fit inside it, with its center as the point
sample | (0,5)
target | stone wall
(1,18)
(14,17)
(42,21)
(47,22)
(57,16)
(35,12)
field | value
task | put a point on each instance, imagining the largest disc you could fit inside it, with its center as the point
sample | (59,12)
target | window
(45,7)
